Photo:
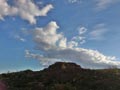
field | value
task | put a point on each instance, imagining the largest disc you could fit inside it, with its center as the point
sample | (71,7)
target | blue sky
(31,31)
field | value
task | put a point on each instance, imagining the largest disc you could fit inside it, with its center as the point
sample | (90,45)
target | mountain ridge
(62,76)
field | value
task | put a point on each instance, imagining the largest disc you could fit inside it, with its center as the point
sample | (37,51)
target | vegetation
(63,76)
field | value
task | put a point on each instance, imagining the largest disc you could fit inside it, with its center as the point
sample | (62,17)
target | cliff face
(62,76)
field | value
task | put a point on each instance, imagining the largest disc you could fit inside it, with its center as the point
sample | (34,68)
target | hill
(62,76)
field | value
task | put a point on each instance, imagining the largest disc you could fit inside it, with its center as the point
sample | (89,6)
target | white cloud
(85,57)
(47,37)
(72,43)
(103,4)
(82,30)
(6,9)
(98,32)
(26,9)
(18,37)
(45,61)
(74,1)
(54,47)
(78,39)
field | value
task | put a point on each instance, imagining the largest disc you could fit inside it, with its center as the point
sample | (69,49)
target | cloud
(103,4)
(6,9)
(82,30)
(47,37)
(85,57)
(74,1)
(78,39)
(26,9)
(98,32)
(45,61)
(54,47)
(19,38)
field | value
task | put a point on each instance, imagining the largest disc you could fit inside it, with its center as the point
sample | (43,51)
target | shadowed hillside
(62,76)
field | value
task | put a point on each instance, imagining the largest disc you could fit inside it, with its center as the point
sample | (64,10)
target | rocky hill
(62,76)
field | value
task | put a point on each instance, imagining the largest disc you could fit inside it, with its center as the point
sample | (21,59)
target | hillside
(62,76)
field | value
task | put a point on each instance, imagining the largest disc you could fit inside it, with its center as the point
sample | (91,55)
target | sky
(37,33)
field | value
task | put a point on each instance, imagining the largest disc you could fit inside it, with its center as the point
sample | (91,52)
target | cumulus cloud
(26,9)
(6,9)
(103,4)
(54,47)
(47,37)
(98,32)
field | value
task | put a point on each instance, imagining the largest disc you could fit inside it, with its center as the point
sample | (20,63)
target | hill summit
(64,65)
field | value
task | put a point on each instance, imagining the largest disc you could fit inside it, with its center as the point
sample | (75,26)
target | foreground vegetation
(63,76)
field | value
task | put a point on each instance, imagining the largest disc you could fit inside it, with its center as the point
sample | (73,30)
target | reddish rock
(2,86)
